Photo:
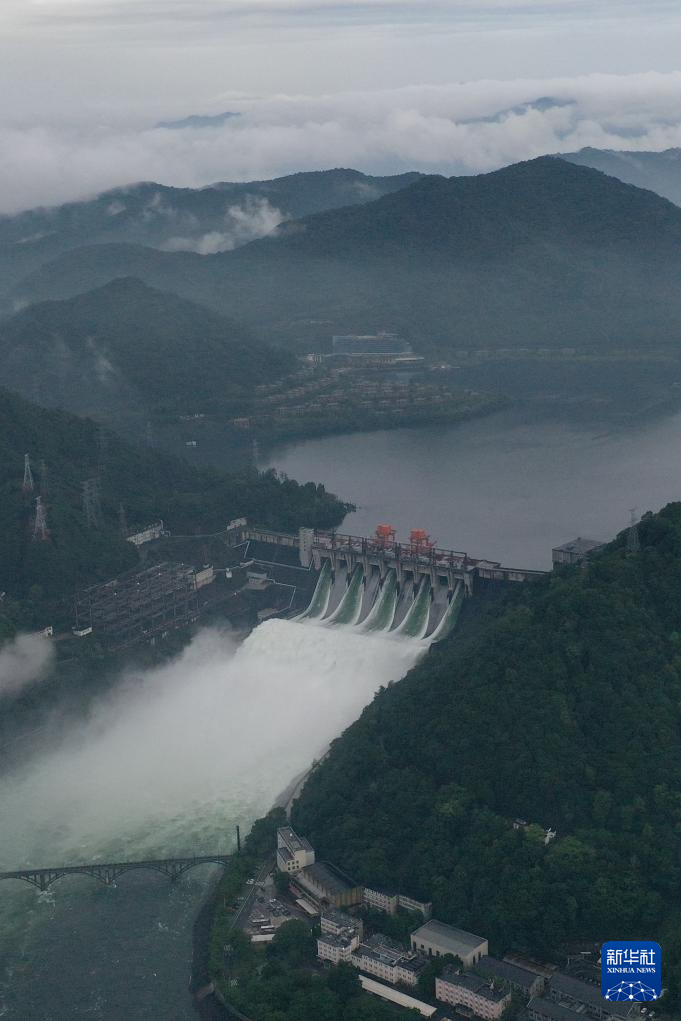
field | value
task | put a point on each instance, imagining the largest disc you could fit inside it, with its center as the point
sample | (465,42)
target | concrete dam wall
(371,603)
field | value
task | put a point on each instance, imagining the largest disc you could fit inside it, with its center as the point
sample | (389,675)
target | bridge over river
(108,873)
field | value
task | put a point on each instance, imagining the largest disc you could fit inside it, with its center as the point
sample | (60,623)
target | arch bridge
(108,873)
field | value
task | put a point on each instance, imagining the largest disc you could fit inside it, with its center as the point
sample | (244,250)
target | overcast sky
(377,84)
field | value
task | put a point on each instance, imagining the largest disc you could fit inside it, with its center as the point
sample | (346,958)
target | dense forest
(222,215)
(541,254)
(560,706)
(38,576)
(129,350)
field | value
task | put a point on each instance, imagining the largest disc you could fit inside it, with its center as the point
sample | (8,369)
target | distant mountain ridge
(196,120)
(220,216)
(540,254)
(657,171)
(126,349)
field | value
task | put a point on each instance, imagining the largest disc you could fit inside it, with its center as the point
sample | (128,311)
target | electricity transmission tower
(92,507)
(633,541)
(40,529)
(28,475)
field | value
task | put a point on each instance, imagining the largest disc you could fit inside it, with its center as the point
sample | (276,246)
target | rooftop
(580,545)
(586,992)
(339,918)
(553,1011)
(382,948)
(292,841)
(341,940)
(480,986)
(330,878)
(454,940)
(493,968)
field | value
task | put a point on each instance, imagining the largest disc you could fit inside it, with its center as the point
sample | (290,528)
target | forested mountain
(211,219)
(542,254)
(126,349)
(658,171)
(560,706)
(38,576)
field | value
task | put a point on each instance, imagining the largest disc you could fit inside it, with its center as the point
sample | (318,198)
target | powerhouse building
(436,939)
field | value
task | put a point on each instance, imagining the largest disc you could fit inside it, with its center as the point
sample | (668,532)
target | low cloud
(254,218)
(23,662)
(450,129)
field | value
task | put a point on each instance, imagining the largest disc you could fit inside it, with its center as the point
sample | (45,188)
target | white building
(293,852)
(147,534)
(380,901)
(337,948)
(437,939)
(205,576)
(386,959)
(335,922)
(487,999)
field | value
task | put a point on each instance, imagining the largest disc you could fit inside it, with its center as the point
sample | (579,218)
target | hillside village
(440,971)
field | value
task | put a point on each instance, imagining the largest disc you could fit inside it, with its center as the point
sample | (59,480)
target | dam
(410,589)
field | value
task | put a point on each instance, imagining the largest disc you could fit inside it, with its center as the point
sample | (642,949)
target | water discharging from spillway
(370,604)
(167,764)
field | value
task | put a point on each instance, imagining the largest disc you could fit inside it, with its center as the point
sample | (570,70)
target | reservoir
(508,487)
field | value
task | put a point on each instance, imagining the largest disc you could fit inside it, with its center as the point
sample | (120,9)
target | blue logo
(631,970)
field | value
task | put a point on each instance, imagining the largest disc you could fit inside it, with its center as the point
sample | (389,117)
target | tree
(293,944)
(344,982)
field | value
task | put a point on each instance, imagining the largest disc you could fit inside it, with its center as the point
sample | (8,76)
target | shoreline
(208,1007)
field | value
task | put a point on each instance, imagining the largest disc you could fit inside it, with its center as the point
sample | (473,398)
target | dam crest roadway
(410,590)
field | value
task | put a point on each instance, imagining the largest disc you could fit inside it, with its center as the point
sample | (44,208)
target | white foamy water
(174,757)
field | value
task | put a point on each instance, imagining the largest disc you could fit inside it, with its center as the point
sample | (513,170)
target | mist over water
(174,757)
(166,765)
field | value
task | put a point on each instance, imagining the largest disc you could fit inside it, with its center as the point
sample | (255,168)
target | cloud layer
(450,129)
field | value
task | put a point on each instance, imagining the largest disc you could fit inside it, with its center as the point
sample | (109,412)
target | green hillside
(561,707)
(39,578)
(223,215)
(541,254)
(128,349)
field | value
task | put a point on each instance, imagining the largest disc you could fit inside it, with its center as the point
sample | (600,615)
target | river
(508,487)
(167,763)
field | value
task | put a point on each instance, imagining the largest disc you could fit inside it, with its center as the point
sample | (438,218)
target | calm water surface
(507,487)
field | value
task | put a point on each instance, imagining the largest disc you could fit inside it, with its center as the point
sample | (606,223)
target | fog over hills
(658,171)
(205,220)
(126,349)
(543,253)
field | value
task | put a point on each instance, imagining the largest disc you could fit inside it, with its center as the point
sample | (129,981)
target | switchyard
(139,605)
